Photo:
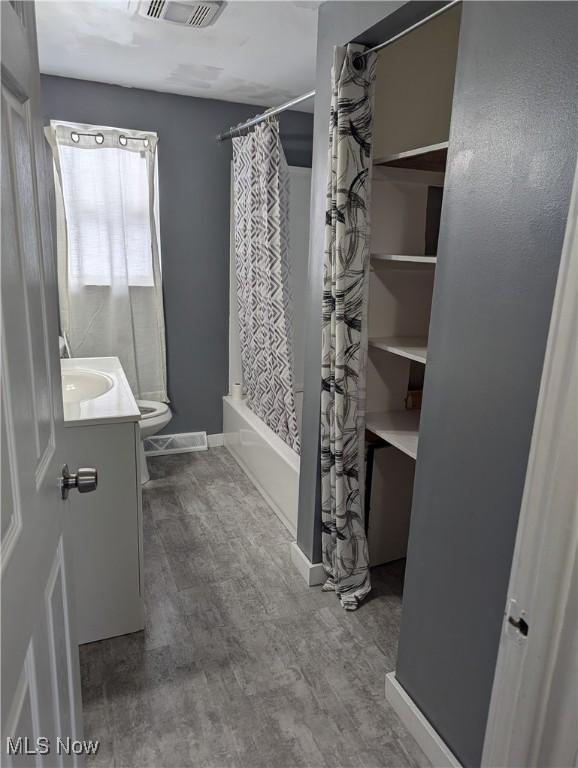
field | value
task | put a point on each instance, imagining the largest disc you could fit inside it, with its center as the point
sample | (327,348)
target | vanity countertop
(116,405)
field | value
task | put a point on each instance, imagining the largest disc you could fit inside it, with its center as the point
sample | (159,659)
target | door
(40,671)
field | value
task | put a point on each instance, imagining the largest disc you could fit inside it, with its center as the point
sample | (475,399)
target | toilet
(154,417)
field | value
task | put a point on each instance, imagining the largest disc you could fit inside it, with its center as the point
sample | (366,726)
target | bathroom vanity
(102,430)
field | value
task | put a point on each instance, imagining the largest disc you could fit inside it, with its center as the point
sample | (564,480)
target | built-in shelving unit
(413,99)
(398,428)
(411,347)
(430,158)
(384,258)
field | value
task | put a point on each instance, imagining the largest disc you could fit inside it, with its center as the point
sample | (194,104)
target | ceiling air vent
(155,8)
(185,12)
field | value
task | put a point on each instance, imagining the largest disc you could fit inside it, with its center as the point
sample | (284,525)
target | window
(108,220)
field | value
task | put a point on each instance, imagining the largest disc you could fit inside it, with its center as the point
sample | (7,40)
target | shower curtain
(261,200)
(344,327)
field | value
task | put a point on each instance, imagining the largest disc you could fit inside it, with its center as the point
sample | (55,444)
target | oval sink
(79,385)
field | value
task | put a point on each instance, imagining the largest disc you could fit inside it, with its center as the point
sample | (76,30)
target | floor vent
(185,442)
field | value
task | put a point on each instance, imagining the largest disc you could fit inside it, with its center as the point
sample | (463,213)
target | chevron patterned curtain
(344,339)
(261,200)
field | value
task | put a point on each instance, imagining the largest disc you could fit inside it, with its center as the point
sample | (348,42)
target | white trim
(313,573)
(216,441)
(429,740)
(534,673)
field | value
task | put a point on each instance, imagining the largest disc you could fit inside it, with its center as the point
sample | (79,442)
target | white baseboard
(313,573)
(429,740)
(216,441)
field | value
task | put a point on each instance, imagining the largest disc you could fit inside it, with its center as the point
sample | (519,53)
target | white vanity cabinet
(105,526)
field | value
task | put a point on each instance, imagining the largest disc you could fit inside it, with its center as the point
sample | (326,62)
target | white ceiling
(255,52)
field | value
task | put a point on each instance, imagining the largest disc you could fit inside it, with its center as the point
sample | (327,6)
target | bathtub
(265,458)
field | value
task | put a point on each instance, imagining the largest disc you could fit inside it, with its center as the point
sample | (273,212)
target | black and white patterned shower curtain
(261,201)
(344,339)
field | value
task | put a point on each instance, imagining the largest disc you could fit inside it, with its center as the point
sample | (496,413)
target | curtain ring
(75,137)
(122,140)
(99,138)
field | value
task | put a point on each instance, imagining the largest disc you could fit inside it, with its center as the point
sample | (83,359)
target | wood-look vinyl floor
(241,664)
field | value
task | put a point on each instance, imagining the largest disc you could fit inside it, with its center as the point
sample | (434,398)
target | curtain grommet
(99,138)
(358,62)
(122,140)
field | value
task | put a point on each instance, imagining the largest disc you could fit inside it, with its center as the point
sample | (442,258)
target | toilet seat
(150,409)
(154,417)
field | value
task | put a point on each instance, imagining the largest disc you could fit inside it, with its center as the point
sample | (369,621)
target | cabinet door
(107,534)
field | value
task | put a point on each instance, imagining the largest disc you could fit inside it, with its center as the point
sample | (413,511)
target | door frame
(545,558)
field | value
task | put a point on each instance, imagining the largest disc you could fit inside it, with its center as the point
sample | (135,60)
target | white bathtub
(265,458)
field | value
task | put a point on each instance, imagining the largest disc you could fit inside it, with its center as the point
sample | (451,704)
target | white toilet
(154,417)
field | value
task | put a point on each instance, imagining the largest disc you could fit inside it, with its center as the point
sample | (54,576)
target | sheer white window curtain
(109,273)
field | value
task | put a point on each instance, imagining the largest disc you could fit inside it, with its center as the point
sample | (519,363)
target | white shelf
(412,347)
(399,428)
(385,257)
(430,158)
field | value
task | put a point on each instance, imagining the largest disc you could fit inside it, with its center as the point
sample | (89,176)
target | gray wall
(512,157)
(194,181)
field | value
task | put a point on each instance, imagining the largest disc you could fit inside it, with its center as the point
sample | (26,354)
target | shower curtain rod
(264,116)
(276,110)
(406,31)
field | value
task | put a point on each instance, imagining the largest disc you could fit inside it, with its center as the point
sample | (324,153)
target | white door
(40,674)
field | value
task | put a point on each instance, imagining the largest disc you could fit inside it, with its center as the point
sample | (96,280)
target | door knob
(85,479)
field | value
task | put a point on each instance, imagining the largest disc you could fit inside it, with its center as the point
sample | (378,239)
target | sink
(79,385)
